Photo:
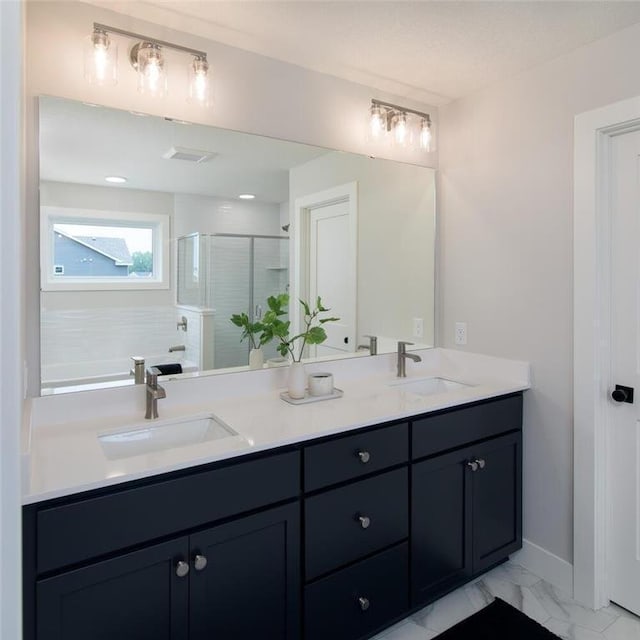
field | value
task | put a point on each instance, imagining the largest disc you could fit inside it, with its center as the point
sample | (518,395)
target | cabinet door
(250,586)
(441,525)
(497,500)
(136,596)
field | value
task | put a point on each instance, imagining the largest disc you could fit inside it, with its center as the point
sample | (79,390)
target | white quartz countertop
(62,454)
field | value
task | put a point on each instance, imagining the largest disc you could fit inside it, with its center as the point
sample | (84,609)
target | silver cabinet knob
(364,521)
(199,562)
(364,456)
(364,603)
(472,464)
(182,568)
(481,462)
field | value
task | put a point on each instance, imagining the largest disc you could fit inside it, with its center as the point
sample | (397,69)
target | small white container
(320,384)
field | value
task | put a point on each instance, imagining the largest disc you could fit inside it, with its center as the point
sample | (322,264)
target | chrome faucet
(178,347)
(154,393)
(402,358)
(372,346)
(138,369)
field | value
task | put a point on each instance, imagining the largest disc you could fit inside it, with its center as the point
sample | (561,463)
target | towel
(168,369)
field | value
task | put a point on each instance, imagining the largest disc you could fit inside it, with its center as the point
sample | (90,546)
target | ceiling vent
(189,155)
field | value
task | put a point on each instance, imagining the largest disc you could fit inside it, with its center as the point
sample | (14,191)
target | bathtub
(99,372)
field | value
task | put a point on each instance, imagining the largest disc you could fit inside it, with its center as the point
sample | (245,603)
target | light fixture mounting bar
(137,36)
(395,107)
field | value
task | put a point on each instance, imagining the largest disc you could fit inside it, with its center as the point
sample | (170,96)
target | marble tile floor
(525,591)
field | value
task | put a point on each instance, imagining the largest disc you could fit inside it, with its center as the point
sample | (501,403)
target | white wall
(219,215)
(506,250)
(104,326)
(252,93)
(396,228)
(11,314)
(79,196)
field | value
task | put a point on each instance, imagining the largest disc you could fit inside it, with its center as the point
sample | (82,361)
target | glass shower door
(270,277)
(230,273)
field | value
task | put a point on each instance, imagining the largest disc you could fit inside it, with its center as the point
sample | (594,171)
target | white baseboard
(546,565)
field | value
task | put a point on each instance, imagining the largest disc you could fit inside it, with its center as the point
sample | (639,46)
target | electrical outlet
(461,333)
(418,328)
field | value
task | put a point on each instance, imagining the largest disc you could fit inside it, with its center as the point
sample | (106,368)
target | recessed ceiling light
(246,196)
(115,179)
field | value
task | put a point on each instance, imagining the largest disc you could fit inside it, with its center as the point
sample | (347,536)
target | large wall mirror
(154,232)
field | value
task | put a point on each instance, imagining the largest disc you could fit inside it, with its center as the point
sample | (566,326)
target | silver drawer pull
(472,464)
(364,456)
(364,603)
(481,462)
(182,568)
(199,562)
(364,521)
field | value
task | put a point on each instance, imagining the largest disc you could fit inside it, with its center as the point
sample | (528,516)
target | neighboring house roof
(114,248)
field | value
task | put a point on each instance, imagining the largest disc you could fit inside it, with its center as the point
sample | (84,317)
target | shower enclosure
(224,274)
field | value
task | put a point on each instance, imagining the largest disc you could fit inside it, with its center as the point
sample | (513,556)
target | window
(94,250)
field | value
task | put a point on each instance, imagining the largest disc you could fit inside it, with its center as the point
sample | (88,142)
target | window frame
(159,223)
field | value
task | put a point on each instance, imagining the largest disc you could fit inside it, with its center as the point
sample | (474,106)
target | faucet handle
(373,344)
(402,345)
(152,376)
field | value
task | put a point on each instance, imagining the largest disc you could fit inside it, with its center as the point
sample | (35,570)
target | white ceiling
(84,144)
(432,51)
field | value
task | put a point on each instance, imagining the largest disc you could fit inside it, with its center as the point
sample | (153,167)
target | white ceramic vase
(256,358)
(297,380)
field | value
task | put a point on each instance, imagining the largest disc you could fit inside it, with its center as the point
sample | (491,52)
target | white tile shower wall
(83,335)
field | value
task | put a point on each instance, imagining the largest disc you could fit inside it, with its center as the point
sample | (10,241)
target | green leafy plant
(276,328)
(250,330)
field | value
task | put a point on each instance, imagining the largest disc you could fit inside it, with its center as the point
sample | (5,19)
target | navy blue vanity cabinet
(245,582)
(138,595)
(356,533)
(466,504)
(228,553)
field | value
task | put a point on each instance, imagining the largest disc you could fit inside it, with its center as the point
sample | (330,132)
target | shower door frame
(208,302)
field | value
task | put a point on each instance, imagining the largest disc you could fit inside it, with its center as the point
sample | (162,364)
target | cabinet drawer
(334,533)
(459,427)
(333,605)
(88,528)
(355,455)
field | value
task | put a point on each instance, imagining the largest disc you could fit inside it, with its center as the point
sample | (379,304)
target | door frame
(299,258)
(593,133)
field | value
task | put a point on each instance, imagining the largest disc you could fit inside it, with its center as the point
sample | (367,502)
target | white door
(624,458)
(330,261)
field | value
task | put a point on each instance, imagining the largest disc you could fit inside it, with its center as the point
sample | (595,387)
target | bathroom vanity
(332,536)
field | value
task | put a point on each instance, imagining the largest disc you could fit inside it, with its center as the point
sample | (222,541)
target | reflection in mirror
(124,262)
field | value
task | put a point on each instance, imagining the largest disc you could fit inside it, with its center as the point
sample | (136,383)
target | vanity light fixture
(402,126)
(246,196)
(148,59)
(116,179)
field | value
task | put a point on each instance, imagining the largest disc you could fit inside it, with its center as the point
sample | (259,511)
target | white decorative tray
(337,393)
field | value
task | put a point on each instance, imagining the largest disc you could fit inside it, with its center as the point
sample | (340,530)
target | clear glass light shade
(426,135)
(377,128)
(199,82)
(152,70)
(100,59)
(400,130)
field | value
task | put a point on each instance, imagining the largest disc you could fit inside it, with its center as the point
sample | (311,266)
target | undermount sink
(149,437)
(429,386)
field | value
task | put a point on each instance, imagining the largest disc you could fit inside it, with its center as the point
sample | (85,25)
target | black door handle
(622,394)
